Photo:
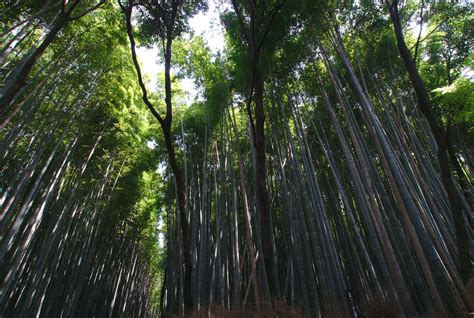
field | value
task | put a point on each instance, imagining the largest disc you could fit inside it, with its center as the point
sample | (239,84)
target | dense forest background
(323,167)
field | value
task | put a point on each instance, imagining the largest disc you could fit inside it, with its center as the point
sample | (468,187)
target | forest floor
(277,309)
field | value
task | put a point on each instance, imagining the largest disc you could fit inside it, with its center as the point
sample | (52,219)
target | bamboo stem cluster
(356,216)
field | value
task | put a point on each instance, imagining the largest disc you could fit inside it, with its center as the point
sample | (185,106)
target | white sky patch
(151,144)
(159,230)
(414,27)
(150,66)
(189,89)
(208,25)
(161,168)
(468,73)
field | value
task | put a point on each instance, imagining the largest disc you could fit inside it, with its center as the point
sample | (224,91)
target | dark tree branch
(415,55)
(269,24)
(128,15)
(96,6)
(241,20)
(430,33)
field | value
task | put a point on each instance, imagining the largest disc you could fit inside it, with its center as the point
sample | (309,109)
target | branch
(101,2)
(419,33)
(240,17)
(431,32)
(128,15)
(167,43)
(269,24)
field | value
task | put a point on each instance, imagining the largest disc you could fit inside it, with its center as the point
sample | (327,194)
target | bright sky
(209,26)
(206,25)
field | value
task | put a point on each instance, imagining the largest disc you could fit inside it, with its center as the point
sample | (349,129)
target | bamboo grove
(324,168)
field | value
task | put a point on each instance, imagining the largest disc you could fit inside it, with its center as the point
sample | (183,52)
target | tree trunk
(443,142)
(166,126)
(263,204)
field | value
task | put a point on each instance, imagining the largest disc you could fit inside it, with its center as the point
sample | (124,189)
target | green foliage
(456,102)
(449,44)
(155,18)
(194,59)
